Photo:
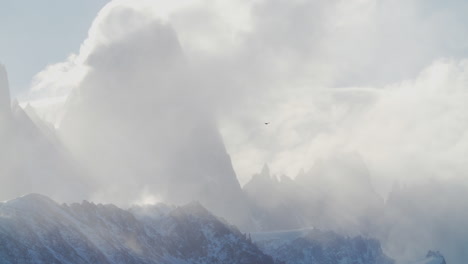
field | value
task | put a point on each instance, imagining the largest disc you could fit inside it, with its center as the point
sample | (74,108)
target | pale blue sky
(35,33)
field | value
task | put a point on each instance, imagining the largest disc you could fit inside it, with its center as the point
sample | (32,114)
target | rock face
(35,229)
(336,194)
(31,161)
(315,246)
(277,204)
(136,125)
(4,91)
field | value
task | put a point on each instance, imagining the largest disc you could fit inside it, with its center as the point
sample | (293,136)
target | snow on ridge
(38,230)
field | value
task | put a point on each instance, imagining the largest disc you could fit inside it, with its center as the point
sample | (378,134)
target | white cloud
(278,61)
(406,131)
(387,79)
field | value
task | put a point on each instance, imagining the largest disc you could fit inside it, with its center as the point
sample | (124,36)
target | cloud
(329,75)
(406,131)
(141,120)
(160,91)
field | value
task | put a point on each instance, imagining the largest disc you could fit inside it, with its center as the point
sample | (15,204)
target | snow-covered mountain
(315,246)
(35,229)
(133,149)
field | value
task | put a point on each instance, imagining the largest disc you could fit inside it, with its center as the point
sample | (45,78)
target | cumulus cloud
(327,74)
(407,131)
(141,120)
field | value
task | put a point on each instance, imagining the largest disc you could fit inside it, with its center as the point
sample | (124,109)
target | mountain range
(35,229)
(95,155)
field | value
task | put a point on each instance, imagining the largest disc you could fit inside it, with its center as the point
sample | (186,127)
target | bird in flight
(267,123)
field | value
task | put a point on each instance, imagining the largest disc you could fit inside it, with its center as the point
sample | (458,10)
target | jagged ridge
(35,229)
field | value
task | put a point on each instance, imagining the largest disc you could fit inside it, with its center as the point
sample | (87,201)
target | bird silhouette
(267,123)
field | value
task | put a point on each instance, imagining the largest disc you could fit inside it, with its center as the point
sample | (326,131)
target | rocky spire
(265,171)
(5,106)
(435,257)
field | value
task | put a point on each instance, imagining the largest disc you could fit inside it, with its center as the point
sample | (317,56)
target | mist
(165,102)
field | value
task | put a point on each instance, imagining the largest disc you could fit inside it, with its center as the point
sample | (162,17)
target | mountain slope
(137,112)
(30,159)
(35,229)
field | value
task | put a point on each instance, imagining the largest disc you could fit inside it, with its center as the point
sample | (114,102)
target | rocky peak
(435,257)
(265,171)
(4,90)
(5,107)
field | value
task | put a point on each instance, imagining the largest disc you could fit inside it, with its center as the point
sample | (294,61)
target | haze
(168,102)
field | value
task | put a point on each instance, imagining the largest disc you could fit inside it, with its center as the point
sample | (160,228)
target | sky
(38,33)
(382,78)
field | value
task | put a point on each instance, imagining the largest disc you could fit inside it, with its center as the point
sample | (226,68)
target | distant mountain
(324,247)
(4,92)
(335,194)
(427,215)
(117,144)
(432,257)
(277,204)
(134,126)
(31,157)
(34,229)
